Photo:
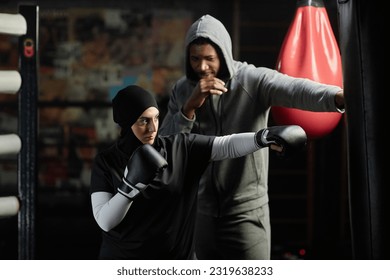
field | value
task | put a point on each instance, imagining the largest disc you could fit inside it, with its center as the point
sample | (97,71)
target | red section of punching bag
(310,51)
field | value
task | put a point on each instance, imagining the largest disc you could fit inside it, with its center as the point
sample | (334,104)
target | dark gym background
(308,194)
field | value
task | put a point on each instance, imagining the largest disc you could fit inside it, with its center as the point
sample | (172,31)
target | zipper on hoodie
(215,104)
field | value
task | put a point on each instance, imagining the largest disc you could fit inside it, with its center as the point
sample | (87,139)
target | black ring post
(27,160)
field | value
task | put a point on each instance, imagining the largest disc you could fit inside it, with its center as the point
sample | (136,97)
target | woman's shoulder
(110,153)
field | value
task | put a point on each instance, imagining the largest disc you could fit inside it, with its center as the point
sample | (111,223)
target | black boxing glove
(291,138)
(142,167)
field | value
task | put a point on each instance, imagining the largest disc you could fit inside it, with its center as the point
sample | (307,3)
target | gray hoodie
(237,185)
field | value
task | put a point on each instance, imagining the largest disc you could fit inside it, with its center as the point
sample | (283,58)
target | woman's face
(146,126)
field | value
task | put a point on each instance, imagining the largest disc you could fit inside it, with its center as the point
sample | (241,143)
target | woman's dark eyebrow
(146,118)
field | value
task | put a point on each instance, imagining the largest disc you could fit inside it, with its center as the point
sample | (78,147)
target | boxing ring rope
(24,82)
(9,206)
(9,144)
(10,81)
(13,24)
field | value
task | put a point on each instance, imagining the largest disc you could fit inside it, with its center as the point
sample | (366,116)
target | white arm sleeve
(108,209)
(233,146)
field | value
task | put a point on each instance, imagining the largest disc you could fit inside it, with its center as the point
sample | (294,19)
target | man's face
(204,60)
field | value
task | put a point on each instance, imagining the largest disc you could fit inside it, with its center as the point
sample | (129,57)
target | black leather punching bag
(362,36)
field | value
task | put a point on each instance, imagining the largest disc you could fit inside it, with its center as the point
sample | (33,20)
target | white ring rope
(14,24)
(10,81)
(9,206)
(10,144)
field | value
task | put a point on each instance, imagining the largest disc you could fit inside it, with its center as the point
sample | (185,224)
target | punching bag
(310,50)
(362,51)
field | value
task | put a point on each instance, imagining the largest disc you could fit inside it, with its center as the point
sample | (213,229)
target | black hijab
(128,105)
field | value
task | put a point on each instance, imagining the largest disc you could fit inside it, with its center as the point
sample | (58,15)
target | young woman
(144,187)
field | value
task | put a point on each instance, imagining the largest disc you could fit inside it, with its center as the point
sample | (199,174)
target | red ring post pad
(310,50)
